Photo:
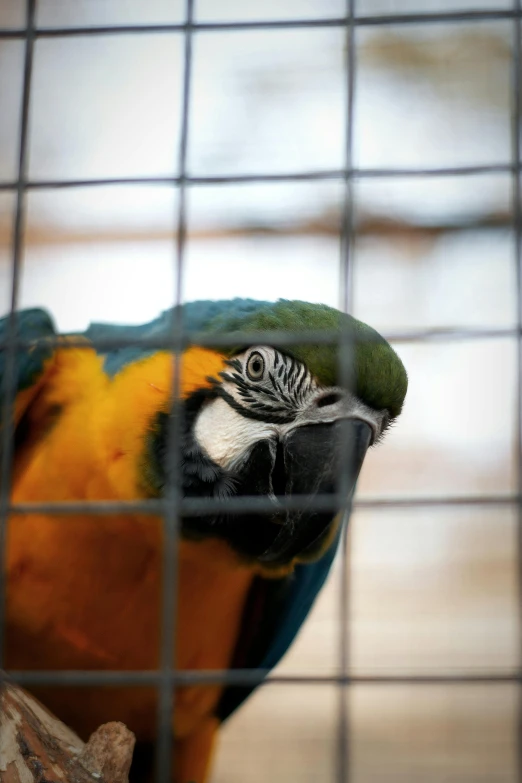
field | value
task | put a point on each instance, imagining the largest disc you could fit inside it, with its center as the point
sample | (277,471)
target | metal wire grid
(517,217)
(166,678)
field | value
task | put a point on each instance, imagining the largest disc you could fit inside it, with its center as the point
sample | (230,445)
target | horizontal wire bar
(376,20)
(483,15)
(426,335)
(435,171)
(186,338)
(257,178)
(312,176)
(190,507)
(247,677)
(444,500)
(254,503)
(281,338)
(179,27)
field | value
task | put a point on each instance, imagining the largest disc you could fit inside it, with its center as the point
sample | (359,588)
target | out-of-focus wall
(432,590)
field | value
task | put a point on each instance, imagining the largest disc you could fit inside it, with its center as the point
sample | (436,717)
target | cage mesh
(167,678)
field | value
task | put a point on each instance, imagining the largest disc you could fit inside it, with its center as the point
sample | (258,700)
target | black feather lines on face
(277,398)
(274,400)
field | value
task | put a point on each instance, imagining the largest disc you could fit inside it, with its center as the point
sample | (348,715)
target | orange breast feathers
(96,425)
(85,591)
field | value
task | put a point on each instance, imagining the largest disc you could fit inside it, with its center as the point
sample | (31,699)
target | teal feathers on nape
(196,318)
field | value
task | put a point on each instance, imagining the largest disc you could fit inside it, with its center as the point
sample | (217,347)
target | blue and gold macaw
(84,592)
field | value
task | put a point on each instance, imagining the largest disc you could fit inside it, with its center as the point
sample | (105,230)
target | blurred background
(433,590)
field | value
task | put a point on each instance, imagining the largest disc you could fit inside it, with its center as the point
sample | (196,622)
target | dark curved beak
(321,461)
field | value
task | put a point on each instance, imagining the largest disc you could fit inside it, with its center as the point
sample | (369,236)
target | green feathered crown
(379,375)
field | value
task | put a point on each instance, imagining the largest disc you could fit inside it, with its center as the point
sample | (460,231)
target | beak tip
(314,457)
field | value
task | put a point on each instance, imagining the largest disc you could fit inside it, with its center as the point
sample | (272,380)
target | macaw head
(277,422)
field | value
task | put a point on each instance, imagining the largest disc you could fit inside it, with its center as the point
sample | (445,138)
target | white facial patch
(226,435)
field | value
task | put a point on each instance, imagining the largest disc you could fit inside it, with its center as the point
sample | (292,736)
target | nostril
(329,399)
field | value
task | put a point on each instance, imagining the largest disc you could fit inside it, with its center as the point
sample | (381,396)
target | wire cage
(351,22)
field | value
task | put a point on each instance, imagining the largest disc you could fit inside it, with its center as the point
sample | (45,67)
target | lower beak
(320,460)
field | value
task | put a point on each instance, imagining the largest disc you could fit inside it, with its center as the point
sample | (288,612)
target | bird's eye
(255,366)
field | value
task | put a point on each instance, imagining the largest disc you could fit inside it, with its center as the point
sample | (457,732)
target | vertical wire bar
(517,225)
(346,364)
(173,494)
(9,380)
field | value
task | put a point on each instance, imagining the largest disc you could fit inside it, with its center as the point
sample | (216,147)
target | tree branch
(35,747)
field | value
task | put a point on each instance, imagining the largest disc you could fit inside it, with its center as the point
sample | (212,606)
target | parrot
(91,423)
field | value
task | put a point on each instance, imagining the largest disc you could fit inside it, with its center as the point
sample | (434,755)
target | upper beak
(319,459)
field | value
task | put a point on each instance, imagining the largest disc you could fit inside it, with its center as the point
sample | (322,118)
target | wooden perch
(35,747)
